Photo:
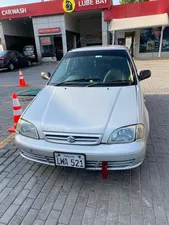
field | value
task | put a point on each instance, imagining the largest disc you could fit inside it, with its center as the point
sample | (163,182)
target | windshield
(94,68)
(28,48)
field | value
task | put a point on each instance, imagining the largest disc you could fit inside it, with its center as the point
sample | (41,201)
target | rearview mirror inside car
(144,74)
(45,75)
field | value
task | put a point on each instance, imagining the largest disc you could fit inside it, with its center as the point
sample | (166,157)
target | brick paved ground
(34,194)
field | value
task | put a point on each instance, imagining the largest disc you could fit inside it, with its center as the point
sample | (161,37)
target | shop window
(51,46)
(47,46)
(150,40)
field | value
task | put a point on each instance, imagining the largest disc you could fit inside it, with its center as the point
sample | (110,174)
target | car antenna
(77,42)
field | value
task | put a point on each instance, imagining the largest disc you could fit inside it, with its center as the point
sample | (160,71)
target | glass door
(47,46)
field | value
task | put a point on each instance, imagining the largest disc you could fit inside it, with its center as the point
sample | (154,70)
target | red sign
(137,9)
(45,41)
(15,11)
(50,8)
(49,30)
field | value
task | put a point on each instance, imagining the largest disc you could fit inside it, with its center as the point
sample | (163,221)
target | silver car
(90,112)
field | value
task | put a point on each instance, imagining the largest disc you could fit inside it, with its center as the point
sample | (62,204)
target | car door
(22,61)
(13,58)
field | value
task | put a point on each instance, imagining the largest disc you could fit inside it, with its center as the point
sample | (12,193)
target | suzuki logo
(71,139)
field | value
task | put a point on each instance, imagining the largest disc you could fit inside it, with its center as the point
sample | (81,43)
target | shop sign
(45,41)
(68,5)
(14,11)
(49,30)
(82,3)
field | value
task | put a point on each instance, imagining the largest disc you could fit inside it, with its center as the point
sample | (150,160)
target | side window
(11,55)
(14,56)
(19,55)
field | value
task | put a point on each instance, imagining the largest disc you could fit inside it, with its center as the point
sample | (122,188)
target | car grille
(91,165)
(73,139)
(38,158)
(110,164)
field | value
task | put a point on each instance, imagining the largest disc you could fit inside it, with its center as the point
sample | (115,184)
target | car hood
(83,109)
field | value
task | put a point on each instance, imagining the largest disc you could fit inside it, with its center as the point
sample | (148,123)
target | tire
(11,66)
(29,63)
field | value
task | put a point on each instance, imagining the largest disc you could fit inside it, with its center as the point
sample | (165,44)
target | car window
(62,70)
(28,48)
(18,54)
(12,54)
(2,54)
(112,66)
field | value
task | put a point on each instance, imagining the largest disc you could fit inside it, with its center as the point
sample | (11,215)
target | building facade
(54,27)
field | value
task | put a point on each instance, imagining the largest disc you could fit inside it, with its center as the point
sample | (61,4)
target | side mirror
(45,75)
(144,74)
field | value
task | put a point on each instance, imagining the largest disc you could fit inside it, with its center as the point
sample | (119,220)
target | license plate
(69,160)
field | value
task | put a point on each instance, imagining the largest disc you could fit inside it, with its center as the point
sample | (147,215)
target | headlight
(27,129)
(127,134)
(140,131)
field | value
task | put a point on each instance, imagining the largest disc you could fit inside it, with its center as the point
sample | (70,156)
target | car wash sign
(52,8)
(16,11)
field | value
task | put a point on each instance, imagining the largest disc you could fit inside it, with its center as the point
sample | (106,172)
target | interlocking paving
(35,194)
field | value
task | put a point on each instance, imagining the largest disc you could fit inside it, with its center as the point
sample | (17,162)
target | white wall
(71,23)
(104,31)
(49,22)
(17,28)
(2,37)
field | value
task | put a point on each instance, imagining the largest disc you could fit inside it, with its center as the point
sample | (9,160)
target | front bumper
(118,156)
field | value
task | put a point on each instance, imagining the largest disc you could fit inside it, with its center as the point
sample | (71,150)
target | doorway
(129,41)
(58,47)
(86,26)
(51,47)
(18,33)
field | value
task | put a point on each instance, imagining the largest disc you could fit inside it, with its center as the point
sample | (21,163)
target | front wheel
(11,66)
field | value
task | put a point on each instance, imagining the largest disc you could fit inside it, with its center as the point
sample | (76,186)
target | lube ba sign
(82,3)
(14,11)
(70,5)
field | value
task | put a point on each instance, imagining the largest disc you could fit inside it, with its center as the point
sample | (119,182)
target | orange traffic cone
(17,111)
(22,82)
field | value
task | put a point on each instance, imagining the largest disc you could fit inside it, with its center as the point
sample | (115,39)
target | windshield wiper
(111,82)
(75,80)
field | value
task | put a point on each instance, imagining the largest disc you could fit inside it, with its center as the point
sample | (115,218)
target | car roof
(9,51)
(4,52)
(98,48)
